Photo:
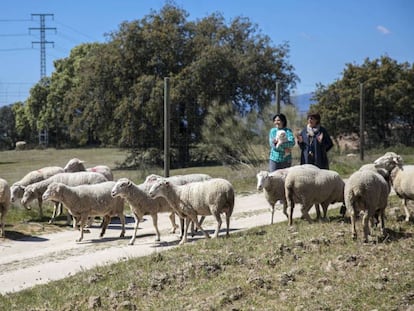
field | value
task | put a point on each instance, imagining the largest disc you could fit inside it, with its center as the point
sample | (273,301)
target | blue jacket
(278,154)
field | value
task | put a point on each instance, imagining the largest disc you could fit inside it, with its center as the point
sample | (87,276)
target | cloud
(383,30)
(306,36)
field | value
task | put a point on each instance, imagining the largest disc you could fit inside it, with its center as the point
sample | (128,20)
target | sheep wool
(308,186)
(142,204)
(36,190)
(209,197)
(76,165)
(17,189)
(366,191)
(4,203)
(85,201)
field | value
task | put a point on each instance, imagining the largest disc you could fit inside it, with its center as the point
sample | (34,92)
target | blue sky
(324,35)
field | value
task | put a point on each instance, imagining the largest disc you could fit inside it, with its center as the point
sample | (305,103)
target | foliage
(388,99)
(8,133)
(101,86)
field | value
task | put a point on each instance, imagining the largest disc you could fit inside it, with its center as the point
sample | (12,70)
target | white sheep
(4,203)
(142,204)
(86,201)
(308,186)
(76,165)
(177,180)
(366,191)
(273,185)
(209,197)
(401,177)
(36,190)
(17,189)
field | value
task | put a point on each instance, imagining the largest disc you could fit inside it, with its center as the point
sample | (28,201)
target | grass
(307,267)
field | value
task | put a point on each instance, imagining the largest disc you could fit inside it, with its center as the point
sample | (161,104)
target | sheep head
(389,161)
(121,185)
(74,165)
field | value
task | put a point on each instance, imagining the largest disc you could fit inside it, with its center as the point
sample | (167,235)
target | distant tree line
(222,76)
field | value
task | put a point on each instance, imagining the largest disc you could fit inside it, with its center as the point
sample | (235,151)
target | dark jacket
(313,152)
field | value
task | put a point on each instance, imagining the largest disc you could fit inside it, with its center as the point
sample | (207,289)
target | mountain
(303,102)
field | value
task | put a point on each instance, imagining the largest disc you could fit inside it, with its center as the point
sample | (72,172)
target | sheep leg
(285,206)
(292,206)
(318,211)
(3,234)
(325,206)
(365,221)
(194,230)
(353,225)
(304,209)
(173,224)
(198,225)
(219,222)
(407,211)
(82,222)
(184,237)
(136,217)
(122,219)
(228,224)
(105,222)
(40,201)
(155,224)
(56,212)
(272,211)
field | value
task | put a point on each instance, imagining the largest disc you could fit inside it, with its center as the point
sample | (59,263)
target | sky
(323,35)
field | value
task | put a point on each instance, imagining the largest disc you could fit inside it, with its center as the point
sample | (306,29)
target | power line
(42,41)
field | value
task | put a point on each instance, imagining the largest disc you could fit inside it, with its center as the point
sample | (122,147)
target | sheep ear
(129,183)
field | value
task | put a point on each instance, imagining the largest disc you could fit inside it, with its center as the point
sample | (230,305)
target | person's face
(278,123)
(312,121)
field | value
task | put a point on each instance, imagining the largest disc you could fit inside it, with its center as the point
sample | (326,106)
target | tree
(389,101)
(102,86)
(8,135)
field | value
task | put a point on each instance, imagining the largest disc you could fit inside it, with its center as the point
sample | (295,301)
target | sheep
(209,197)
(4,203)
(142,204)
(36,190)
(367,191)
(273,185)
(178,180)
(84,201)
(308,186)
(76,165)
(401,178)
(21,145)
(17,189)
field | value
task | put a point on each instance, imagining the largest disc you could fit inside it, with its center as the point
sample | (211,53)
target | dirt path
(40,259)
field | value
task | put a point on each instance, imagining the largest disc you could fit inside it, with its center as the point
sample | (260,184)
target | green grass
(308,267)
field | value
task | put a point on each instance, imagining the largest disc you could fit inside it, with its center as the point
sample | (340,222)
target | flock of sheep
(87,193)
(365,192)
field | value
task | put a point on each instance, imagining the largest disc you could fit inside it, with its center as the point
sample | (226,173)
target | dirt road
(40,259)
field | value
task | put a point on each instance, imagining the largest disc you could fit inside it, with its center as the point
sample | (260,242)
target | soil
(27,261)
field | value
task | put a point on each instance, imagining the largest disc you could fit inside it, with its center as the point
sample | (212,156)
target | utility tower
(43,133)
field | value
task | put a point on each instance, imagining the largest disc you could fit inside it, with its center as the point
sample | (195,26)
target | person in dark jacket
(314,142)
